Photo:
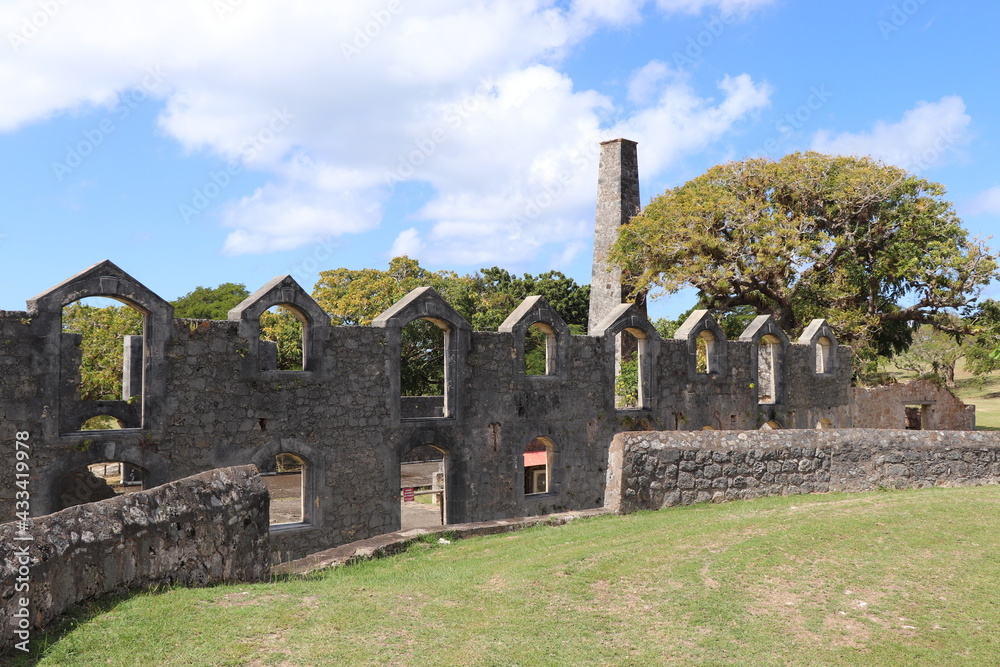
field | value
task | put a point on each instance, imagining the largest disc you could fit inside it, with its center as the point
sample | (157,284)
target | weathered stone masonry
(205,402)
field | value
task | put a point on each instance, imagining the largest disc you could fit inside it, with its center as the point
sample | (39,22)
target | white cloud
(681,122)
(924,137)
(407,243)
(645,81)
(614,12)
(987,202)
(531,198)
(337,102)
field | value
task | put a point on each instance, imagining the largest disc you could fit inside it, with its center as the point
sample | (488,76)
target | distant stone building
(917,405)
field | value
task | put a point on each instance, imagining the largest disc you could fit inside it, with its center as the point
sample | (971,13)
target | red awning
(535,459)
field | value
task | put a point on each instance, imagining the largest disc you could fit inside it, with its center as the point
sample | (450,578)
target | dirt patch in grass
(246,599)
(797,613)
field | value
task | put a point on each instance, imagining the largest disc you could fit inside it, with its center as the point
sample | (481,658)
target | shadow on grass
(43,640)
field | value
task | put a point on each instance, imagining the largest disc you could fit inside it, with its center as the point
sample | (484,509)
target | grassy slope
(888,578)
(984,393)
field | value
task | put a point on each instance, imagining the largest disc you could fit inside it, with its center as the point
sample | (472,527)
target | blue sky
(207,141)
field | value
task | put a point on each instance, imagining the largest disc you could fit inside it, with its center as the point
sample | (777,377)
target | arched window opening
(824,424)
(768,351)
(422,369)
(540,350)
(99,481)
(705,353)
(771,425)
(629,351)
(103,357)
(282,343)
(287,488)
(824,355)
(423,492)
(537,460)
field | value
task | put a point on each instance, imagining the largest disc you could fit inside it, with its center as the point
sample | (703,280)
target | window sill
(289,527)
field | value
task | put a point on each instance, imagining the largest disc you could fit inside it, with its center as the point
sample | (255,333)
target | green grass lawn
(891,578)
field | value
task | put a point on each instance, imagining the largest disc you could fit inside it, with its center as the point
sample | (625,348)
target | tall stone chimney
(617,202)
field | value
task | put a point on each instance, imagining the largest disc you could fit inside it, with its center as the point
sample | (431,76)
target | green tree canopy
(982,351)
(357,296)
(496,293)
(932,355)
(210,303)
(102,346)
(871,248)
(282,327)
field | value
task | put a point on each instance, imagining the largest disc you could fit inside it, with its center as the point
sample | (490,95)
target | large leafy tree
(871,248)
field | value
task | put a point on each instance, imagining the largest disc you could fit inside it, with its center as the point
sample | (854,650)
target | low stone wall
(648,470)
(208,528)
(869,459)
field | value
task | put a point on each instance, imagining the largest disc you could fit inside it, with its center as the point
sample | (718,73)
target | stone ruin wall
(935,407)
(203,394)
(205,403)
(655,470)
(202,530)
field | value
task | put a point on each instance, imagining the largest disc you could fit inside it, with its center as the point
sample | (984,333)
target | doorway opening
(423,488)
